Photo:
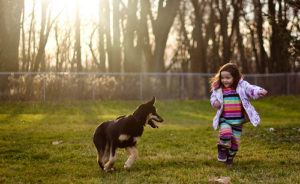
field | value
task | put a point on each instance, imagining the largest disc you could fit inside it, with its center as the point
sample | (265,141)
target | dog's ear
(151,102)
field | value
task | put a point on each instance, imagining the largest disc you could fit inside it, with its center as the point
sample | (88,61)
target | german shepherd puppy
(123,132)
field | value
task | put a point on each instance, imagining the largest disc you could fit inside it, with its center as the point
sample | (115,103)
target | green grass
(182,150)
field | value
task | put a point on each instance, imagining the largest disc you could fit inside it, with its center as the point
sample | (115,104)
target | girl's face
(226,79)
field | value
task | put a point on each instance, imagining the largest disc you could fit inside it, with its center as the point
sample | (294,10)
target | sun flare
(88,8)
(66,9)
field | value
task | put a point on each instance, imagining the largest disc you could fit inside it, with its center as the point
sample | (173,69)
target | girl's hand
(217,104)
(262,93)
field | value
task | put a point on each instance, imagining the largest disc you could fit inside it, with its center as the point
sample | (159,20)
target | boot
(222,153)
(229,160)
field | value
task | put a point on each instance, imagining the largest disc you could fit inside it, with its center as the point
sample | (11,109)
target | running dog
(123,132)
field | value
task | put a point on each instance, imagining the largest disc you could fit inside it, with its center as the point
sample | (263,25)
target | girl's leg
(225,135)
(235,141)
(224,142)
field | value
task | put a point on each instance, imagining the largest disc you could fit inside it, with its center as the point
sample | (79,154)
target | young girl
(230,97)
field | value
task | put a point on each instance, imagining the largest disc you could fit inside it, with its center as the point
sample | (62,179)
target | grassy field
(182,150)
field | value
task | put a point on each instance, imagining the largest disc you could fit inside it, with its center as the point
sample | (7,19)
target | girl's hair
(232,68)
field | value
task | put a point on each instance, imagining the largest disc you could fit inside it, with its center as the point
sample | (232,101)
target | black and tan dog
(123,132)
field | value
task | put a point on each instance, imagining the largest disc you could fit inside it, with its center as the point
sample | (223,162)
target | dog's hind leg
(100,152)
(100,144)
(103,155)
(133,155)
(106,153)
(112,158)
(99,158)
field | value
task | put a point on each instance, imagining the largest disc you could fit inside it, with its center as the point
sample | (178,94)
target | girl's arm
(255,92)
(214,101)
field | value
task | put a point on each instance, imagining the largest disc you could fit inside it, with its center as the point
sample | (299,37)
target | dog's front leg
(133,155)
(112,158)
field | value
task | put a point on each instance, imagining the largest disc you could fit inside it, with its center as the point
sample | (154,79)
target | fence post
(255,79)
(288,84)
(44,87)
(182,87)
(141,86)
(93,87)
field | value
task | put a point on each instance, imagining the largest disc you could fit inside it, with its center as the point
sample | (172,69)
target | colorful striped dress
(231,121)
(232,107)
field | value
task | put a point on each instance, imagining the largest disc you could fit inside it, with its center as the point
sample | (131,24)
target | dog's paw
(108,170)
(127,166)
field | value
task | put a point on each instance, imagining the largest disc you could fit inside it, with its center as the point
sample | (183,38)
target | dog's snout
(158,118)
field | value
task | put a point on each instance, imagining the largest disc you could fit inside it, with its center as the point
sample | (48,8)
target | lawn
(182,150)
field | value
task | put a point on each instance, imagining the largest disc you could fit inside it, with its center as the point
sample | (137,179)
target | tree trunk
(77,39)
(199,56)
(161,28)
(132,61)
(224,32)
(274,38)
(58,63)
(214,56)
(10,21)
(143,40)
(42,42)
(115,62)
(263,58)
(237,8)
(279,41)
(102,30)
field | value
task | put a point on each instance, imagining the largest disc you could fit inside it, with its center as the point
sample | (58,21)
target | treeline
(262,36)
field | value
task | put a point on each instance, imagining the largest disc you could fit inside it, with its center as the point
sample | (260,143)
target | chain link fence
(42,86)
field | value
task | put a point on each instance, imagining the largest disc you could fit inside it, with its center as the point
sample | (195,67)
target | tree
(46,25)
(143,34)
(280,38)
(167,10)
(103,27)
(10,21)
(77,48)
(115,62)
(132,54)
(199,47)
(238,6)
(263,58)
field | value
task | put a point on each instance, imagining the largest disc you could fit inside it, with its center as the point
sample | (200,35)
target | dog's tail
(100,142)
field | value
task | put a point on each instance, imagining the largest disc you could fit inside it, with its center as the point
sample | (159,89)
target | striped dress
(232,108)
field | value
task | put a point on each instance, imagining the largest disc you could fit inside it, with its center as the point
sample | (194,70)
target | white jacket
(245,91)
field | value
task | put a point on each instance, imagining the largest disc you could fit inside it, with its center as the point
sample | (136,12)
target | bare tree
(115,62)
(46,25)
(167,10)
(224,10)
(263,58)
(10,21)
(132,62)
(104,19)
(238,6)
(143,34)
(214,60)
(199,47)
(181,58)
(27,53)
(280,37)
(95,60)
(77,48)
(253,43)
